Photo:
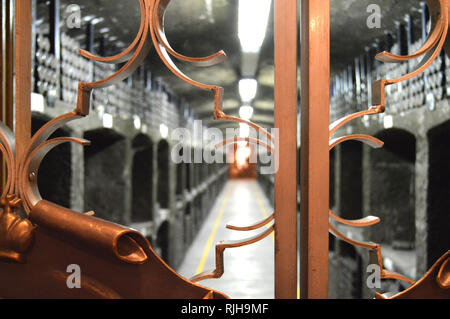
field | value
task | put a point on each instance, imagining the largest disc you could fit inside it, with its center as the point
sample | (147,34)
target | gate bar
(23,75)
(285,116)
(314,170)
(7,70)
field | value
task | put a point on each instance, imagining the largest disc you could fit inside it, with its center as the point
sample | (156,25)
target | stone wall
(120,177)
(405,183)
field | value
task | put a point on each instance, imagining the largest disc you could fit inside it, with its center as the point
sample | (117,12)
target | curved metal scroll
(213,59)
(438,24)
(245,139)
(22,189)
(254,226)
(128,52)
(30,169)
(385,274)
(150,30)
(435,284)
(220,248)
(363,222)
(366,139)
(430,49)
(346,119)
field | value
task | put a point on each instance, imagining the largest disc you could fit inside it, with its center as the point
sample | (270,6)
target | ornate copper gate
(120,263)
(317,141)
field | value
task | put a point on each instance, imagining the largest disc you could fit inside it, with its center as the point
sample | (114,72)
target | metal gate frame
(23,154)
(316,140)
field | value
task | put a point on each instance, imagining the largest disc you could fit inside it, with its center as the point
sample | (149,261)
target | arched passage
(350,274)
(392,188)
(197,203)
(438,195)
(55,172)
(162,241)
(142,179)
(104,184)
(298,178)
(331,239)
(187,218)
(163,174)
(179,177)
(332,177)
(346,199)
(187,172)
(350,185)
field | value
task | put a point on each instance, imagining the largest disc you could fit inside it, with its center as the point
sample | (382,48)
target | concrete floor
(249,270)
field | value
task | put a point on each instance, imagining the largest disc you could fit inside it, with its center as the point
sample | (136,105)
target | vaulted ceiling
(202,27)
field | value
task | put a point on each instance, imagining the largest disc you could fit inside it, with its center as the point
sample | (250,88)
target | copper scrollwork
(439,12)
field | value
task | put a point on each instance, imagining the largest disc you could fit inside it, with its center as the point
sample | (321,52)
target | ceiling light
(137,122)
(253,18)
(388,121)
(246,112)
(100,111)
(107,120)
(37,102)
(244,130)
(163,130)
(247,89)
(242,155)
(88,18)
(97,20)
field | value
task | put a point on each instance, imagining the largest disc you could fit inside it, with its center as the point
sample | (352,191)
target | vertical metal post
(33,46)
(389,41)
(55,38)
(7,70)
(89,42)
(54,28)
(285,115)
(314,185)
(402,39)
(369,77)
(102,46)
(23,75)
(148,79)
(409,30)
(425,16)
(358,79)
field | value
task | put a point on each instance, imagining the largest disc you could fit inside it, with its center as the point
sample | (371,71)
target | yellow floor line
(209,243)
(261,206)
(218,219)
(264,212)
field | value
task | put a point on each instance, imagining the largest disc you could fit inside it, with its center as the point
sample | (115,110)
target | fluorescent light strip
(253,19)
(247,89)
(246,112)
(163,130)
